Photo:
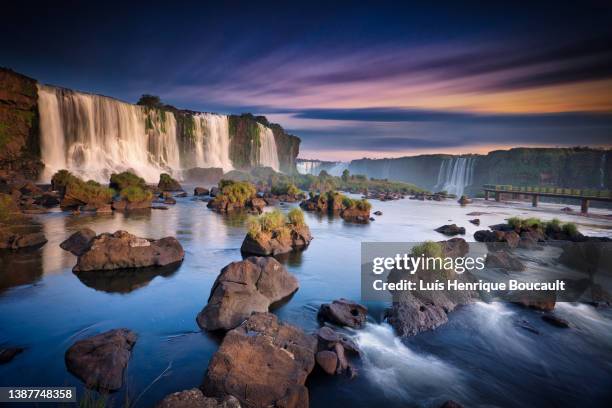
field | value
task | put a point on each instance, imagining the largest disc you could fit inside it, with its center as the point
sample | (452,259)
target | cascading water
(338,168)
(268,155)
(308,166)
(455,175)
(94,136)
(211,142)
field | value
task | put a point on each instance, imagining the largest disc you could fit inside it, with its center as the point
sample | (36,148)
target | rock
(450,230)
(124,205)
(544,301)
(181,194)
(378,213)
(328,338)
(451,404)
(512,238)
(356,215)
(48,199)
(504,260)
(200,191)
(159,207)
(454,247)
(14,240)
(263,363)
(485,236)
(258,203)
(99,361)
(214,191)
(194,398)
(78,242)
(327,360)
(475,221)
(122,250)
(167,183)
(8,354)
(244,287)
(169,201)
(464,200)
(207,176)
(265,245)
(343,312)
(555,321)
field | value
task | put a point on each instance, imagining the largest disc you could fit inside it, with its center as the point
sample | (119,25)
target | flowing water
(481,357)
(268,156)
(211,142)
(455,175)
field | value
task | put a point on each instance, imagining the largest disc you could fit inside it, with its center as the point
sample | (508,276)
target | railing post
(497,196)
(486,194)
(534,200)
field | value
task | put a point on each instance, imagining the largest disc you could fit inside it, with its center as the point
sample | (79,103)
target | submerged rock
(194,398)
(378,213)
(100,361)
(344,312)
(555,321)
(79,242)
(451,404)
(450,230)
(266,244)
(263,363)
(475,221)
(201,191)
(123,250)
(8,354)
(245,287)
(15,240)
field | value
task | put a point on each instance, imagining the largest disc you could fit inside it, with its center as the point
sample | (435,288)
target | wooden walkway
(584,195)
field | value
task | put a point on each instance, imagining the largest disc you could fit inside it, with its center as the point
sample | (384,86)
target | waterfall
(94,136)
(268,156)
(308,166)
(455,175)
(338,168)
(211,142)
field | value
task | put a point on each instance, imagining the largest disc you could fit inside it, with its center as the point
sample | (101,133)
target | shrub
(253,226)
(89,192)
(136,194)
(239,192)
(296,217)
(7,207)
(272,221)
(515,222)
(119,181)
(285,188)
(553,225)
(532,223)
(363,205)
(570,229)
(428,249)
(60,180)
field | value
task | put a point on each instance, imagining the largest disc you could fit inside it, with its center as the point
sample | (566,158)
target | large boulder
(344,312)
(451,230)
(267,245)
(194,398)
(263,363)
(244,287)
(100,361)
(79,242)
(167,183)
(122,250)
(356,215)
(504,260)
(201,191)
(10,239)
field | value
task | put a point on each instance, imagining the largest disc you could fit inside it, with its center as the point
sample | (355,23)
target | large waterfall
(94,136)
(268,155)
(455,175)
(308,166)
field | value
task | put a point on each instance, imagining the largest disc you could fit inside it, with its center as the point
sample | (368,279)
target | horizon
(357,81)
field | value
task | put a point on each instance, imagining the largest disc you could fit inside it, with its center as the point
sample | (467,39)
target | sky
(351,79)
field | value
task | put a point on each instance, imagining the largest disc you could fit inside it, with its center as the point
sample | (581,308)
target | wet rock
(475,221)
(181,194)
(544,300)
(169,201)
(464,200)
(266,245)
(328,338)
(8,354)
(356,215)
(263,363)
(122,250)
(454,247)
(504,260)
(100,361)
(555,321)
(15,240)
(258,203)
(200,191)
(450,230)
(343,312)
(524,324)
(124,205)
(48,199)
(328,361)
(245,287)
(194,398)
(378,213)
(214,191)
(79,242)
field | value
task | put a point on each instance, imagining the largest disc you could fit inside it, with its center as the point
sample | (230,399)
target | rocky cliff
(19,133)
(575,167)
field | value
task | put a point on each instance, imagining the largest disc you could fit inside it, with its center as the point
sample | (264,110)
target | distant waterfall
(338,169)
(268,155)
(211,140)
(455,175)
(308,166)
(94,136)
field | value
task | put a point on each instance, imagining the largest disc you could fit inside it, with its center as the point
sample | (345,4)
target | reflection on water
(482,356)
